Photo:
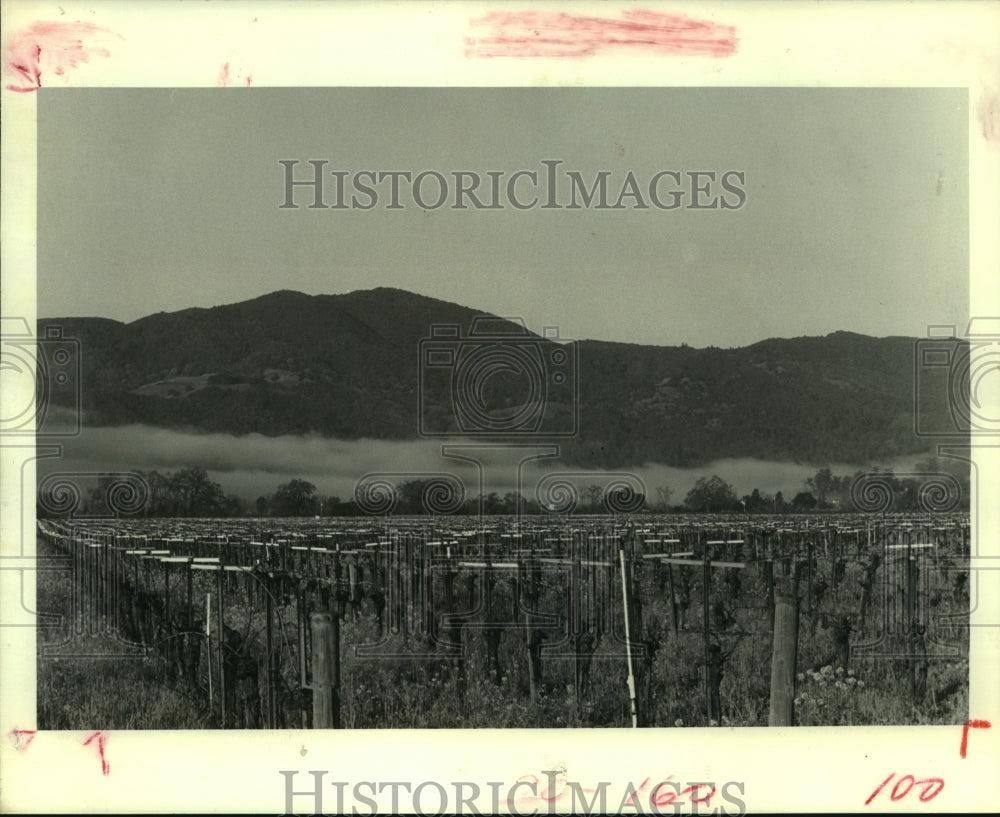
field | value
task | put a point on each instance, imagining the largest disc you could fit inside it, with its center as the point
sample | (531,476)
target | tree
(295,498)
(592,496)
(492,504)
(822,485)
(160,496)
(713,495)
(756,502)
(663,496)
(234,506)
(328,505)
(194,494)
(95,504)
(803,501)
(411,497)
(510,502)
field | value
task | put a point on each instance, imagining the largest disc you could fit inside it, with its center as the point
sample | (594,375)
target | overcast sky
(856,213)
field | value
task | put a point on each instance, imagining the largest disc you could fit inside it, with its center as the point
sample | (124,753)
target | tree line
(190,492)
(411,498)
(827,491)
(185,493)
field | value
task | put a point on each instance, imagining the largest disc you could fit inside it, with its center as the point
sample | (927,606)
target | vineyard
(645,620)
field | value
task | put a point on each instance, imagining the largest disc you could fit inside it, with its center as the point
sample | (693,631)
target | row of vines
(507,622)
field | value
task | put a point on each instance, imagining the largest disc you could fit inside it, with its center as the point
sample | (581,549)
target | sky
(856,211)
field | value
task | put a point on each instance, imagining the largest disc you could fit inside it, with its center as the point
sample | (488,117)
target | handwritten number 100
(932,787)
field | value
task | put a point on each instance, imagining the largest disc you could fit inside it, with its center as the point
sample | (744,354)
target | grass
(87,685)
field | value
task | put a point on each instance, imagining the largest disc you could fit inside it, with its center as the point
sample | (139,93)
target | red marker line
(973,724)
(227,77)
(50,48)
(881,786)
(22,738)
(989,116)
(101,738)
(559,34)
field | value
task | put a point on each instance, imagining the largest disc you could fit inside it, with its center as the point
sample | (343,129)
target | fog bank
(254,465)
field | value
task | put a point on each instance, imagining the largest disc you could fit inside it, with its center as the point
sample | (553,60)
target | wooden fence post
(326,670)
(784,655)
(674,613)
(577,624)
(208,643)
(300,624)
(706,635)
(190,596)
(222,645)
(534,634)
(769,582)
(623,566)
(914,632)
(352,579)
(269,650)
(166,597)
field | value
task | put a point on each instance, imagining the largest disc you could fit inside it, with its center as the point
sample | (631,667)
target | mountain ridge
(348,366)
(284,293)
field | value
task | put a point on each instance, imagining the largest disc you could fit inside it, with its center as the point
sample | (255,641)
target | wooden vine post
(532,635)
(914,627)
(212,564)
(576,625)
(220,607)
(269,649)
(784,650)
(325,670)
(453,627)
(628,635)
(710,672)
(208,643)
(301,628)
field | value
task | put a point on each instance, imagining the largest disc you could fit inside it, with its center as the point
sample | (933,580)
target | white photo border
(175,44)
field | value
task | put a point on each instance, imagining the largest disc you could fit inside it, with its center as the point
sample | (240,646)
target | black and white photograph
(518,411)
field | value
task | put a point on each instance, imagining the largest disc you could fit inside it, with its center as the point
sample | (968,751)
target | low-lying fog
(254,465)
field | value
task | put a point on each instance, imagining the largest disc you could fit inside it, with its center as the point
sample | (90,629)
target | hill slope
(347,366)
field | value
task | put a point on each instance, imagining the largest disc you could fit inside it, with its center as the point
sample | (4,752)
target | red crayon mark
(102,739)
(986,70)
(973,724)
(554,788)
(667,793)
(560,34)
(227,76)
(532,782)
(51,48)
(693,789)
(931,788)
(22,738)
(631,798)
(879,788)
(989,116)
